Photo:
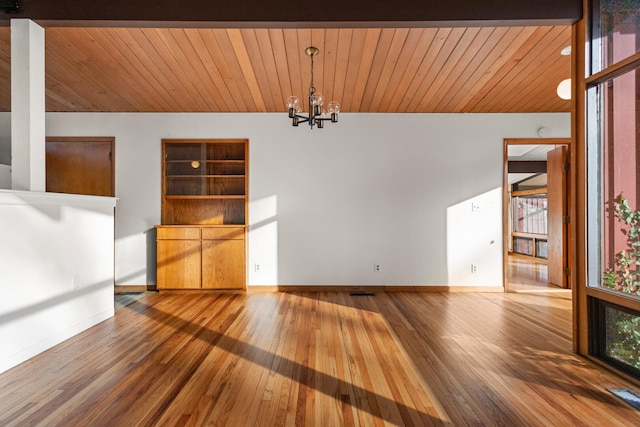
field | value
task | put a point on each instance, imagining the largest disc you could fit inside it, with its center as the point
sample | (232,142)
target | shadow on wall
(137,259)
(5,177)
(152,256)
(31,329)
(54,301)
(57,265)
(474,242)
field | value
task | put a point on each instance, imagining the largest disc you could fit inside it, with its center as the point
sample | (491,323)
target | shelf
(204,152)
(204,182)
(226,168)
(204,196)
(206,176)
(238,161)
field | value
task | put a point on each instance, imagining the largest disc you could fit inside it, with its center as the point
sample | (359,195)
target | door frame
(505,199)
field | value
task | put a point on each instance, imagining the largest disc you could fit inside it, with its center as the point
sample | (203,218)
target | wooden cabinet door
(179,264)
(78,165)
(223,264)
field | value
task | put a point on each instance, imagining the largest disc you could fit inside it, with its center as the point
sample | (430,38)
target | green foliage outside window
(614,12)
(625,274)
(623,329)
(623,336)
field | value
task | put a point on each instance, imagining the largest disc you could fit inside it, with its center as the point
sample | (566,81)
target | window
(530,214)
(615,25)
(529,221)
(617,331)
(613,184)
(614,152)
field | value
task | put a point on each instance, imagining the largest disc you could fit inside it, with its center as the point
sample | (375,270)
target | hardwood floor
(529,275)
(319,359)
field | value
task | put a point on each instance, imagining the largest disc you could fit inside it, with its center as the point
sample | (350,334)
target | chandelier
(316,115)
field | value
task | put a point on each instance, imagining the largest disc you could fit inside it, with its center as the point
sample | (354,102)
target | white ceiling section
(526,152)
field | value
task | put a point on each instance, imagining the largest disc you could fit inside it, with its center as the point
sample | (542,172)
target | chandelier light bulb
(318,99)
(293,102)
(334,107)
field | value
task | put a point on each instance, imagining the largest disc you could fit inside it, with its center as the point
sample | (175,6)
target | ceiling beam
(285,13)
(527,166)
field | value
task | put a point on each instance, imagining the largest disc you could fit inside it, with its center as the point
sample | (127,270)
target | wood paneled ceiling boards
(229,56)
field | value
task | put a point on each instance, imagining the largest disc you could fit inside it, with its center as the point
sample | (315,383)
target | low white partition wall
(56,269)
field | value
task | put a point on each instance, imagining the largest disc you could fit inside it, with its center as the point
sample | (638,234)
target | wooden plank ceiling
(399,70)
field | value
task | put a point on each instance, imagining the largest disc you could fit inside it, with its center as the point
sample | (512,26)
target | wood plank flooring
(529,275)
(319,359)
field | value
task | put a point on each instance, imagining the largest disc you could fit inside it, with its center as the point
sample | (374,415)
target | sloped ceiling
(398,70)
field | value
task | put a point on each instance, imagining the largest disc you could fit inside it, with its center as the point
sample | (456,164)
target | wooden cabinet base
(191,257)
(223,264)
(179,265)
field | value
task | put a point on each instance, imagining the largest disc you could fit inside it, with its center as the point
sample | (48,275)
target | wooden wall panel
(5,69)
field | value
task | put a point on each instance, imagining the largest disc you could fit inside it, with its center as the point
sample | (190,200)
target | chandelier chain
(312,89)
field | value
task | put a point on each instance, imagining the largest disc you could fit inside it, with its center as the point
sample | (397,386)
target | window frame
(595,295)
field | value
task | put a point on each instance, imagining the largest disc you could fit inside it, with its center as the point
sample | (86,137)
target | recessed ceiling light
(564,89)
(566,51)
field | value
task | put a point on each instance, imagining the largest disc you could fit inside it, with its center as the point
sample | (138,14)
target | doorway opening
(535,215)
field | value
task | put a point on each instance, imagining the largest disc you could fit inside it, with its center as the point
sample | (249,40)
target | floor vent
(628,396)
(362,294)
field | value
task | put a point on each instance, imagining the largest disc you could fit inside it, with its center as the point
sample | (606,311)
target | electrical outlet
(474,268)
(376,268)
(256,267)
(475,207)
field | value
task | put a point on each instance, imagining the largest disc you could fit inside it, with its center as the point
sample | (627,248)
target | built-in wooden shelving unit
(201,242)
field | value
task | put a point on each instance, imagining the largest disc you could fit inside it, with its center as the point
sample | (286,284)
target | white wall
(326,205)
(56,264)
